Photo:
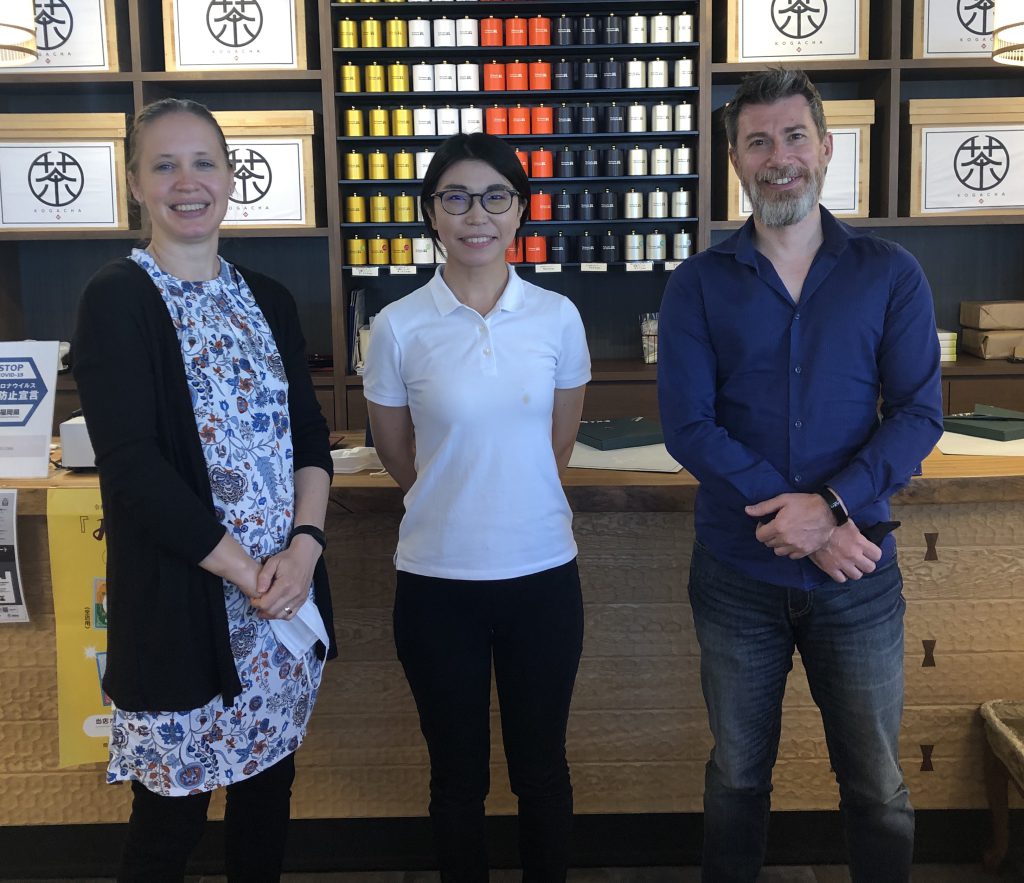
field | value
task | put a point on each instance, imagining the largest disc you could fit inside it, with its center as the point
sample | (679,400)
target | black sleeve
(122,381)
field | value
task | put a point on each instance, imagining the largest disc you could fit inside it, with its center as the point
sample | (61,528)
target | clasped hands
(279,586)
(802,526)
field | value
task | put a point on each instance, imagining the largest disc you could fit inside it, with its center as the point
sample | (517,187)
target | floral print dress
(240,397)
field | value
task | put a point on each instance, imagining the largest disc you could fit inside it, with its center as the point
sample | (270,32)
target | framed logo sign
(234,34)
(953,28)
(780,30)
(270,183)
(272,155)
(74,35)
(62,171)
(967,156)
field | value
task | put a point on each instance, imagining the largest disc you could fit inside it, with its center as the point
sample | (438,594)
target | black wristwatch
(835,505)
(309,530)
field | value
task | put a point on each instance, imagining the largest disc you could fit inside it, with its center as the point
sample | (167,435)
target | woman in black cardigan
(214,468)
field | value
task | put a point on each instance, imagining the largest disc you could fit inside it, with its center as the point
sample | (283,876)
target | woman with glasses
(475,387)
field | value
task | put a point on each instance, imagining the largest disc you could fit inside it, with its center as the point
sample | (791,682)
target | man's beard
(781,208)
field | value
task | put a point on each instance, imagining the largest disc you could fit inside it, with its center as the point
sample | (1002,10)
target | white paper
(957,443)
(12,601)
(58,184)
(28,380)
(967,168)
(643,458)
(350,460)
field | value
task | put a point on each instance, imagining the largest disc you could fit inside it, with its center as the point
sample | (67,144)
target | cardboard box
(63,171)
(992,315)
(760,31)
(991,344)
(952,30)
(967,156)
(273,156)
(846,183)
(203,36)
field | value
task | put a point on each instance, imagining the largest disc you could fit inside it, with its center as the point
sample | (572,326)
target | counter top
(946,479)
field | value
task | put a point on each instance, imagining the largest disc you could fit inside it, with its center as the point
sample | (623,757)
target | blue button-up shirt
(762,396)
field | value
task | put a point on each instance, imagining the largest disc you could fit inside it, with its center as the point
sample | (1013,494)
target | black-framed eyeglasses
(458,202)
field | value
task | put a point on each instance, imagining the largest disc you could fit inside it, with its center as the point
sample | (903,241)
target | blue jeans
(850,638)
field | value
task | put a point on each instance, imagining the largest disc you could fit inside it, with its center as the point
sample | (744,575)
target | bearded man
(776,347)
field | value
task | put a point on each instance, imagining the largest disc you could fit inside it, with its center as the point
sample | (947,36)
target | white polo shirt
(487,502)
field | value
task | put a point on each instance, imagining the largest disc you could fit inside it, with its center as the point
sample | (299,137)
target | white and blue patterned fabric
(240,397)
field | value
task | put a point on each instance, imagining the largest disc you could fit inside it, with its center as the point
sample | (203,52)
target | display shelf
(507,9)
(900,221)
(888,78)
(358,227)
(385,269)
(352,141)
(367,98)
(625,179)
(945,68)
(84,80)
(622,51)
(230,81)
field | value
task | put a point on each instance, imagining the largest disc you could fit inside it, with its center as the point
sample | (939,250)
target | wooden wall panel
(638,736)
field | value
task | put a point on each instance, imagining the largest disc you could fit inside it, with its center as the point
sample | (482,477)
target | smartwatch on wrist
(309,530)
(835,505)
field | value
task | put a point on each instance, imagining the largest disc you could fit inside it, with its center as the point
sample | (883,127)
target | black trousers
(163,831)
(447,632)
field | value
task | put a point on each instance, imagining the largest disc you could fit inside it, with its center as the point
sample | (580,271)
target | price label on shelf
(365,271)
(593,268)
(639,266)
(671,265)
(403,270)
(548,268)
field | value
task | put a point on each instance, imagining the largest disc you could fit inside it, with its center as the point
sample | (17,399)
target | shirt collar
(511,299)
(741,244)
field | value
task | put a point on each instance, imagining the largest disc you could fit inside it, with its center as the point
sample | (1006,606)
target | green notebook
(621,432)
(1005,424)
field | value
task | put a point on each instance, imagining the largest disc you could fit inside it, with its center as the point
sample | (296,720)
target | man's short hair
(770,86)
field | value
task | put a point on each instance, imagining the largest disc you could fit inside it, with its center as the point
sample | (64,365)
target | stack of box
(947,345)
(992,329)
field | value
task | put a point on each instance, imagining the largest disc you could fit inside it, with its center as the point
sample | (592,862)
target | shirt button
(487,350)
(797,369)
(797,479)
(799,424)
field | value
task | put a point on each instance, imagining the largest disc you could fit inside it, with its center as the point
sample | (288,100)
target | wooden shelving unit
(41,274)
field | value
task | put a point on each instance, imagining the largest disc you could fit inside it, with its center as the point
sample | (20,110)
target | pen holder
(649,337)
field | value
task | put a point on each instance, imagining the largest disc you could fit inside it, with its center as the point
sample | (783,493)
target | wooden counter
(638,739)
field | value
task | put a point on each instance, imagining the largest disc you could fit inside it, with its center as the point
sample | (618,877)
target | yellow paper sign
(78,567)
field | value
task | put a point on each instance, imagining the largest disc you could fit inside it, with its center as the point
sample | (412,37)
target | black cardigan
(168,646)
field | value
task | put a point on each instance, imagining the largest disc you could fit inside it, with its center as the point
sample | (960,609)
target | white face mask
(302,631)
